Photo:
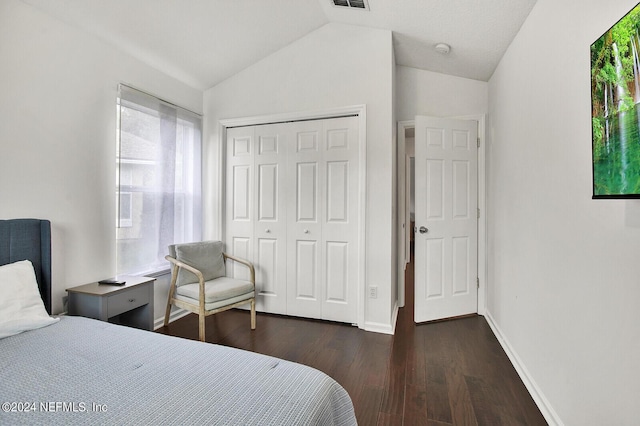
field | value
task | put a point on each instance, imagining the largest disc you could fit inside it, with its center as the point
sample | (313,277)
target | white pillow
(21,306)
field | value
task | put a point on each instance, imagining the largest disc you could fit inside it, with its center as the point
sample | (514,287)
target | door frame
(403,228)
(353,110)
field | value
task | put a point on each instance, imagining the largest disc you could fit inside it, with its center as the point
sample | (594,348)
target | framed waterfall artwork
(615,109)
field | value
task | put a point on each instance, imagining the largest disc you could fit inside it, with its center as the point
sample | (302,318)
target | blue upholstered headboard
(29,239)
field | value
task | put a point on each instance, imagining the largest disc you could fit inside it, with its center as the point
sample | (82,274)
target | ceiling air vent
(356,4)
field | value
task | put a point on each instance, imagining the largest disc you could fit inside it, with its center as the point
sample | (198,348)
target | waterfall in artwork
(615,90)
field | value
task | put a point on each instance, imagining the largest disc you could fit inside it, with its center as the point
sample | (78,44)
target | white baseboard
(394,317)
(538,397)
(175,314)
(378,327)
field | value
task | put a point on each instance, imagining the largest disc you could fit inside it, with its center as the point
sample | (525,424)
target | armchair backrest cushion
(205,256)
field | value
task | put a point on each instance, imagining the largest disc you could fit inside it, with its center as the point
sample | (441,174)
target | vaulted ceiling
(203,42)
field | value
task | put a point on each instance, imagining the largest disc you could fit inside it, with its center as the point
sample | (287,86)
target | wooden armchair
(199,283)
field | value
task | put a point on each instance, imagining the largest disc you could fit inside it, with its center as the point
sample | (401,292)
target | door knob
(423,230)
(268,231)
(306,231)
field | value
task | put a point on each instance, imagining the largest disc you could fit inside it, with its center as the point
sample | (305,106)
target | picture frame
(615,109)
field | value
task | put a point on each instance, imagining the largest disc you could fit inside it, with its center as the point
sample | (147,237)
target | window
(126,209)
(158,180)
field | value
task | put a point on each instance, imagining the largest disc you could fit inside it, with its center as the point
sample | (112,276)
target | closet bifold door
(270,225)
(340,220)
(239,197)
(322,239)
(305,192)
(292,209)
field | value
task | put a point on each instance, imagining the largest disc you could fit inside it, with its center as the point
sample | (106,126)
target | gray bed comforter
(85,372)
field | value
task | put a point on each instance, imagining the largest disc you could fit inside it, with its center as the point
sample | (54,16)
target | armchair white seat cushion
(219,304)
(217,290)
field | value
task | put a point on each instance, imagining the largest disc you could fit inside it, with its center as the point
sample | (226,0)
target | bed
(82,371)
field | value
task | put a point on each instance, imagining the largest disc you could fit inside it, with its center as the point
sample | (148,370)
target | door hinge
(477,282)
(478,142)
(478,213)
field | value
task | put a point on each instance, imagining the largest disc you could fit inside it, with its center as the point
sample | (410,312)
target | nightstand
(130,304)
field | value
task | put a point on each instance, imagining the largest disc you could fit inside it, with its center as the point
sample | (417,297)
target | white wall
(423,92)
(58,89)
(334,66)
(564,289)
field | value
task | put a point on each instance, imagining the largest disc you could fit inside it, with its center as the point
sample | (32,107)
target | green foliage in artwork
(598,138)
(633,170)
(604,60)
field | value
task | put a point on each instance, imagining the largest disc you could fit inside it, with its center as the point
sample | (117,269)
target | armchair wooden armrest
(189,268)
(245,262)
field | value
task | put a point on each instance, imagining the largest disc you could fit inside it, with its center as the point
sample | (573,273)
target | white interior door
(446,202)
(270,226)
(340,220)
(305,192)
(240,211)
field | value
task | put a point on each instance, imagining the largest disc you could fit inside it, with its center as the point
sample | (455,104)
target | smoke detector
(443,48)
(354,4)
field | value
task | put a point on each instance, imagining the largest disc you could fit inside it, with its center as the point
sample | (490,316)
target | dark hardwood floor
(444,373)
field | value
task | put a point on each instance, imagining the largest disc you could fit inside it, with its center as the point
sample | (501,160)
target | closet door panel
(267,261)
(306,286)
(268,192)
(337,272)
(340,219)
(270,227)
(239,197)
(307,192)
(241,247)
(337,191)
(241,192)
(304,225)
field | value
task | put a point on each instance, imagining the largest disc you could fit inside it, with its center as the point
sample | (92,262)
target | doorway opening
(406,198)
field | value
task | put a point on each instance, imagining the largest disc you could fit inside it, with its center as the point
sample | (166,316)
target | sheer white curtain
(158,180)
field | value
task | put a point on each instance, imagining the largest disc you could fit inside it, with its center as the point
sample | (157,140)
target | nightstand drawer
(127,300)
